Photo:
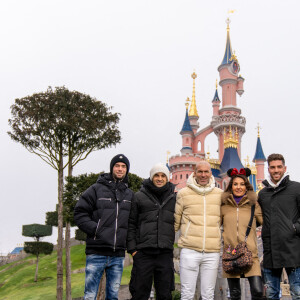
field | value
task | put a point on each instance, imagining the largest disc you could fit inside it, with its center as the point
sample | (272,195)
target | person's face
(159,179)
(276,170)
(119,170)
(203,174)
(238,187)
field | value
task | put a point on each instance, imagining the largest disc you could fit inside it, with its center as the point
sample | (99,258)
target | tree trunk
(68,263)
(68,247)
(101,290)
(59,286)
(36,269)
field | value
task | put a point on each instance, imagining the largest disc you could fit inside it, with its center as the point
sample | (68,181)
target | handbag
(239,259)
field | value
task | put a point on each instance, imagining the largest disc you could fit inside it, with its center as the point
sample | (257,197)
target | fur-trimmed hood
(250,197)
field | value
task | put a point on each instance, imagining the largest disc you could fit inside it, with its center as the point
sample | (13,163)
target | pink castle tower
(232,84)
(227,123)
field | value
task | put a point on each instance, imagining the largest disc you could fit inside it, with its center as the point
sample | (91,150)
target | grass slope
(17,279)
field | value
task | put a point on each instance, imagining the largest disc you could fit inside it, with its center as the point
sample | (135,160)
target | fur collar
(202,190)
(251,196)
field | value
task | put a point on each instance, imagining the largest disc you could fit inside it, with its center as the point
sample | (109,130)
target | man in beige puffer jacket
(197,215)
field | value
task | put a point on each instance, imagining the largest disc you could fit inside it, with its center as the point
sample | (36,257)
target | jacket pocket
(187,229)
(104,199)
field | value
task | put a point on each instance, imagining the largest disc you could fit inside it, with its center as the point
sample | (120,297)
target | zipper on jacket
(204,218)
(237,223)
(115,240)
(187,228)
(97,228)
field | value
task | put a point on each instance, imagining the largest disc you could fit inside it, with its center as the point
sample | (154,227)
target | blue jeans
(272,282)
(95,266)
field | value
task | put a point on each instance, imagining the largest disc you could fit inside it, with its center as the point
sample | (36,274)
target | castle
(227,124)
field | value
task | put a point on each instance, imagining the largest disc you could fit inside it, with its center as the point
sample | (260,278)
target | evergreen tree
(37,231)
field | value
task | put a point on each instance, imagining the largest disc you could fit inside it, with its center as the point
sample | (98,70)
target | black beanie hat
(119,158)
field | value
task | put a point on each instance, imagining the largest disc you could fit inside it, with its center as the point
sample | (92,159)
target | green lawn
(17,281)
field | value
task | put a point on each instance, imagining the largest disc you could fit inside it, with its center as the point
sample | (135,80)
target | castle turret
(231,158)
(193,114)
(186,133)
(259,160)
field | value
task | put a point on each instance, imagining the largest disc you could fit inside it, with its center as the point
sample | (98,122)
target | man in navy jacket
(280,203)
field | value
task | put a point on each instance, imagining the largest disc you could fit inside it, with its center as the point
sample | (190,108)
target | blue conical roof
(230,160)
(186,125)
(228,50)
(259,153)
(216,96)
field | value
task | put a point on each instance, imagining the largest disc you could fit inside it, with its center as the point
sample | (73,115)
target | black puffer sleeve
(83,211)
(132,226)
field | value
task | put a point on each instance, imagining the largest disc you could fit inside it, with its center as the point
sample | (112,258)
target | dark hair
(248,185)
(275,156)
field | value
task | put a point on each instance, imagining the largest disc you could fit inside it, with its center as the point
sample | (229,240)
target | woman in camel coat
(235,213)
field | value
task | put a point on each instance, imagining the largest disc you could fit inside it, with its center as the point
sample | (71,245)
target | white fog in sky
(138,56)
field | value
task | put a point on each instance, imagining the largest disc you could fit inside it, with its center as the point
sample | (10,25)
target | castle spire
(186,124)
(259,153)
(228,49)
(216,96)
(259,159)
(193,108)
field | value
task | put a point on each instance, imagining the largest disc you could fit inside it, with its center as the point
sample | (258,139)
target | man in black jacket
(280,203)
(102,212)
(151,236)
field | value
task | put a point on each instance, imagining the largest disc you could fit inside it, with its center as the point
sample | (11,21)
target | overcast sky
(138,56)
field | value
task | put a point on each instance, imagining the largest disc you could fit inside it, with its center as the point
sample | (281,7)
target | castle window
(181,176)
(187,176)
(199,146)
(175,177)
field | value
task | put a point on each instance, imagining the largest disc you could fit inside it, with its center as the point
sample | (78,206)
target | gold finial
(193,107)
(187,102)
(216,84)
(168,153)
(228,22)
(236,134)
(231,11)
(258,128)
(248,163)
(233,57)
(208,153)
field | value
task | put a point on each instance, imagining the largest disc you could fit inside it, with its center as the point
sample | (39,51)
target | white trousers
(191,262)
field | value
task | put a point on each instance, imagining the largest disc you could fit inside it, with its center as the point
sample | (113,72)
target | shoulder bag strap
(250,222)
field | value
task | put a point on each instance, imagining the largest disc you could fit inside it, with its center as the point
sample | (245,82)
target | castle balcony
(218,123)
